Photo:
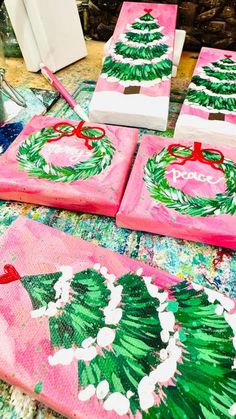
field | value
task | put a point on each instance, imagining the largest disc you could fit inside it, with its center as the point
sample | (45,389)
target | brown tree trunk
(216,116)
(132,90)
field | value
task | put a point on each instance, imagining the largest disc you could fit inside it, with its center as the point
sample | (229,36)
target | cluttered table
(205,264)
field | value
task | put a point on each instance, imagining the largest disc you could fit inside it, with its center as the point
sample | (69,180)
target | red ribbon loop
(228,56)
(78,132)
(10,275)
(148,10)
(197,155)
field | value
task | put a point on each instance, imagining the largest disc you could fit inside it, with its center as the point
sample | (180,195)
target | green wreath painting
(35,164)
(141,350)
(173,198)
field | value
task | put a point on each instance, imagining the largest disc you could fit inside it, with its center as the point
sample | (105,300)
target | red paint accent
(10,275)
(148,10)
(228,56)
(78,132)
(220,257)
(197,155)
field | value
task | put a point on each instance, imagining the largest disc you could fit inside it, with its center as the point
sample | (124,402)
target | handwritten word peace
(199,177)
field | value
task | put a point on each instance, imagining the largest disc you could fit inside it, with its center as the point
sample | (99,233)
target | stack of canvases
(93,333)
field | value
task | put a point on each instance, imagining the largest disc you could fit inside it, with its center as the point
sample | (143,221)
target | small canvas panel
(209,110)
(134,86)
(67,164)
(183,189)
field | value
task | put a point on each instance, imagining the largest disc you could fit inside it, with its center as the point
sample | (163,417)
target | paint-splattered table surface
(204,264)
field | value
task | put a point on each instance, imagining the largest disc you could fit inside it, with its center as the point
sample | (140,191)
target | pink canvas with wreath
(68,164)
(183,189)
(92,333)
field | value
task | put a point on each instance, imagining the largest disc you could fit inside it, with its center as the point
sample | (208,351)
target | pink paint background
(139,210)
(207,56)
(100,194)
(166,15)
(34,248)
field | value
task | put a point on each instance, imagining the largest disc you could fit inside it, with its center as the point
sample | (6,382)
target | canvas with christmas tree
(184,189)
(209,110)
(134,86)
(68,164)
(94,334)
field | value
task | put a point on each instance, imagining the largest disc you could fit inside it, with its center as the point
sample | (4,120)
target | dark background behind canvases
(207,22)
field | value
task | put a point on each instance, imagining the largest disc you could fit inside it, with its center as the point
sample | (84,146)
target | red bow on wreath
(197,154)
(148,10)
(68,130)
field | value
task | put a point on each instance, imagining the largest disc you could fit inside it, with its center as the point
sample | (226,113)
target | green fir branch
(209,71)
(145,26)
(220,103)
(144,53)
(214,87)
(205,386)
(139,73)
(147,17)
(143,38)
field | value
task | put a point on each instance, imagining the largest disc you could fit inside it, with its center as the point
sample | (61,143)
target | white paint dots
(118,403)
(163,354)
(165,336)
(97,266)
(113,316)
(87,393)
(219,310)
(102,390)
(85,354)
(105,337)
(139,271)
(213,296)
(61,357)
(167,320)
(232,410)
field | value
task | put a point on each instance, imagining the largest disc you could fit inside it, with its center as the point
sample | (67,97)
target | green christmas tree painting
(214,89)
(140,350)
(140,57)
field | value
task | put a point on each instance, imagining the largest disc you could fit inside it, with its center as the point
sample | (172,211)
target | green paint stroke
(38,387)
(173,306)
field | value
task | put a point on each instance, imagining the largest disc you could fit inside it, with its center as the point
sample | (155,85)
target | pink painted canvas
(66,164)
(134,86)
(209,110)
(183,189)
(94,334)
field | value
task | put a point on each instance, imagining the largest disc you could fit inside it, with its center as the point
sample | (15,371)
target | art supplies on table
(92,333)
(134,86)
(66,164)
(37,101)
(53,80)
(209,110)
(47,31)
(182,189)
